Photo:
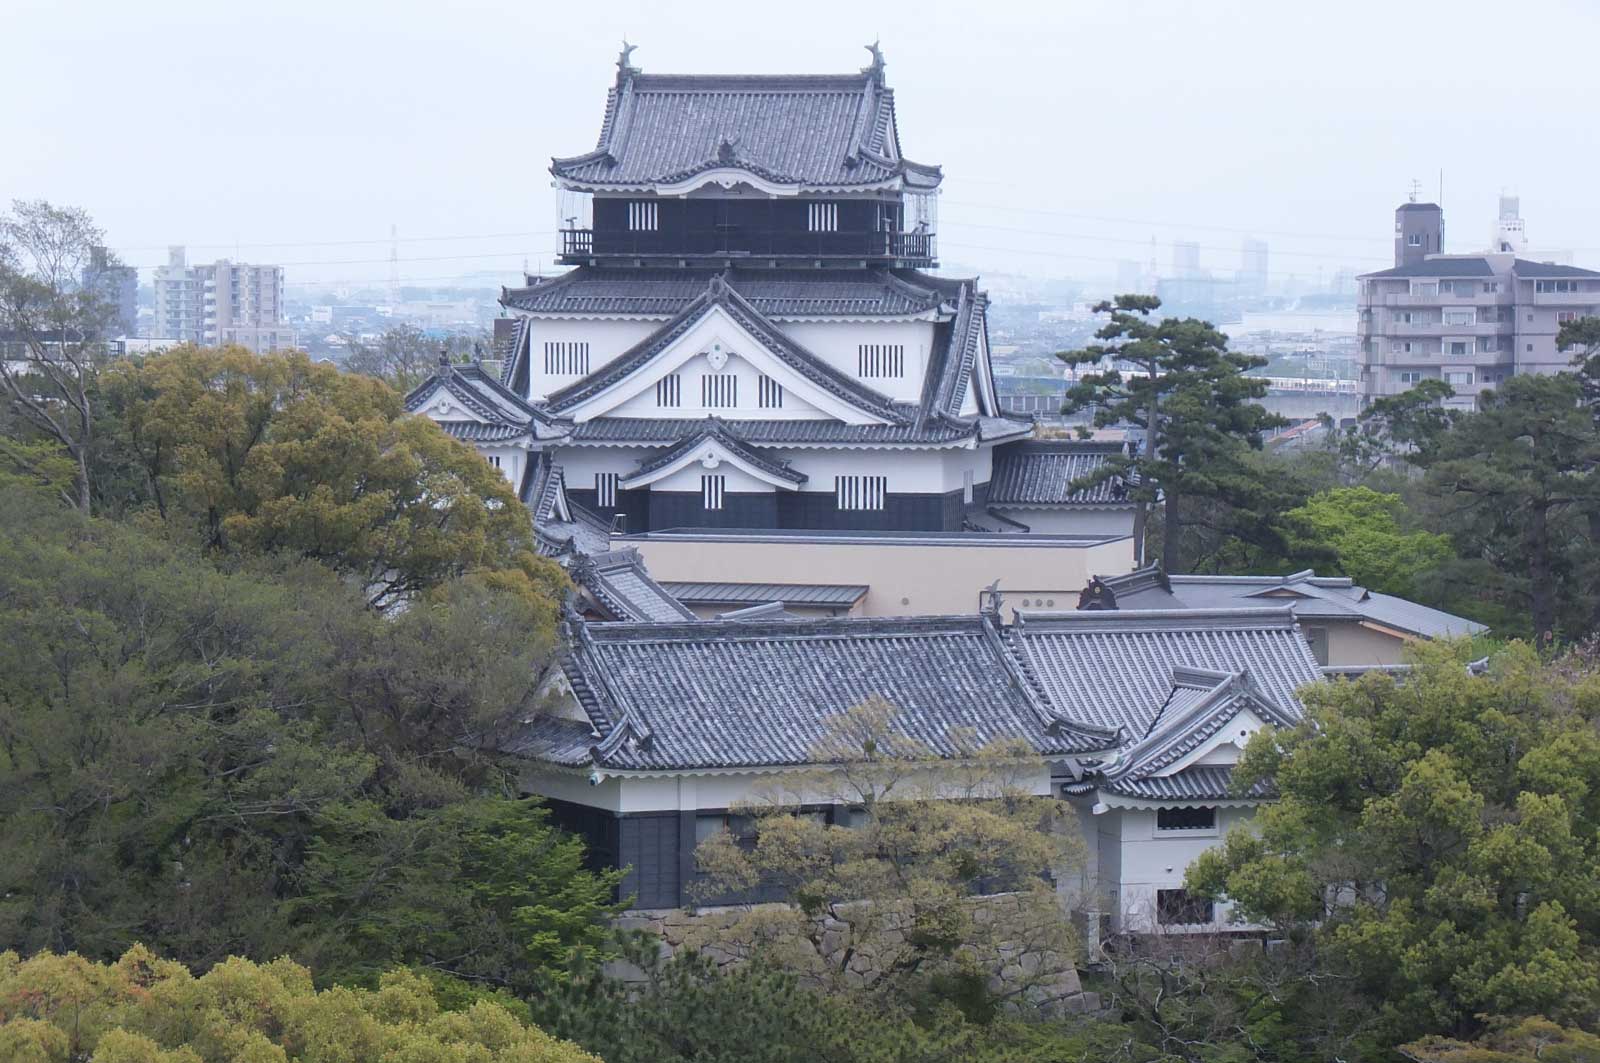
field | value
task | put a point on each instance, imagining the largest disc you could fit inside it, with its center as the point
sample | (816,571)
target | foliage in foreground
(1437,841)
(247,760)
(141,1009)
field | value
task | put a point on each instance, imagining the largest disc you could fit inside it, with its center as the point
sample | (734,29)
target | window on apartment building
(711,488)
(605,488)
(1460,317)
(1186,819)
(719,390)
(1490,287)
(1182,908)
(1400,347)
(1530,348)
(643,216)
(1489,345)
(1459,348)
(566,357)
(1414,240)
(881,360)
(822,217)
(769,393)
(669,390)
(1555,286)
(1563,316)
(860,492)
(1458,380)
(1410,378)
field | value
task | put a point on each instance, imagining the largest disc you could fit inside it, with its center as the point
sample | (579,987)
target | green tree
(899,883)
(1365,531)
(188,751)
(1514,486)
(273,454)
(1196,407)
(404,356)
(1435,840)
(1395,427)
(1533,1040)
(53,321)
(141,1009)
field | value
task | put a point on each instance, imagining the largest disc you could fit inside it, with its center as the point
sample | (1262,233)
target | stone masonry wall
(1022,969)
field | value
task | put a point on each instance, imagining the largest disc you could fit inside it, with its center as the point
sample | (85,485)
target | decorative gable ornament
(717,357)
(711,460)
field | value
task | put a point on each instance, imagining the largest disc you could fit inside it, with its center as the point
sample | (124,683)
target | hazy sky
(1071,132)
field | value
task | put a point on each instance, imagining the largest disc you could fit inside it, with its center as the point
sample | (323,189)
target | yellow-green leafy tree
(141,1009)
(936,874)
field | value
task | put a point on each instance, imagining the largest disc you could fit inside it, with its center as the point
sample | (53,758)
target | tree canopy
(143,1009)
(1193,404)
(1437,837)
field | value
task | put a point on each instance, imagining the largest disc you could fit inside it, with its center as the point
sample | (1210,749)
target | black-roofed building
(1468,320)
(660,731)
(748,336)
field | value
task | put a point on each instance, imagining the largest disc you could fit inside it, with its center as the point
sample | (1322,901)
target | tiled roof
(1312,597)
(787,593)
(481,393)
(812,131)
(665,432)
(659,292)
(1210,782)
(719,431)
(1201,703)
(1042,474)
(619,581)
(478,432)
(747,693)
(1116,668)
(771,338)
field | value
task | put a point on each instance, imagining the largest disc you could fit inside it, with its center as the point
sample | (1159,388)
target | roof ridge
(1276,617)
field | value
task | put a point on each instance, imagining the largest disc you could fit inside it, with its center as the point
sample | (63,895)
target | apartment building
(220,303)
(1470,320)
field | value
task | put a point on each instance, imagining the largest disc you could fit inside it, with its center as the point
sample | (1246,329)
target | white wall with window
(840,343)
(604,339)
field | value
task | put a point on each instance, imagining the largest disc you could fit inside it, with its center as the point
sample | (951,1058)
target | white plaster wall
(581,463)
(979,461)
(909,471)
(606,340)
(836,343)
(1072,521)
(512,461)
(794,408)
(688,479)
(1149,860)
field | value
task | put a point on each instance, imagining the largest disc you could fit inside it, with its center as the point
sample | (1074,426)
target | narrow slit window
(643,216)
(879,360)
(605,488)
(711,489)
(719,390)
(860,492)
(822,217)
(566,357)
(669,390)
(770,394)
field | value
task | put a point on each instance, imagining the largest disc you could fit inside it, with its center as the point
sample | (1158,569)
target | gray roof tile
(787,593)
(1042,473)
(1210,782)
(744,693)
(1116,668)
(619,581)
(813,131)
(661,292)
(720,431)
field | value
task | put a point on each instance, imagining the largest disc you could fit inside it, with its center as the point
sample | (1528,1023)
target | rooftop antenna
(1416,186)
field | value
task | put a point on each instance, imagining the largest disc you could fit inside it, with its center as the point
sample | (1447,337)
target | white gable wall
(688,479)
(443,406)
(838,343)
(794,408)
(606,340)
(1224,746)
(1136,860)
